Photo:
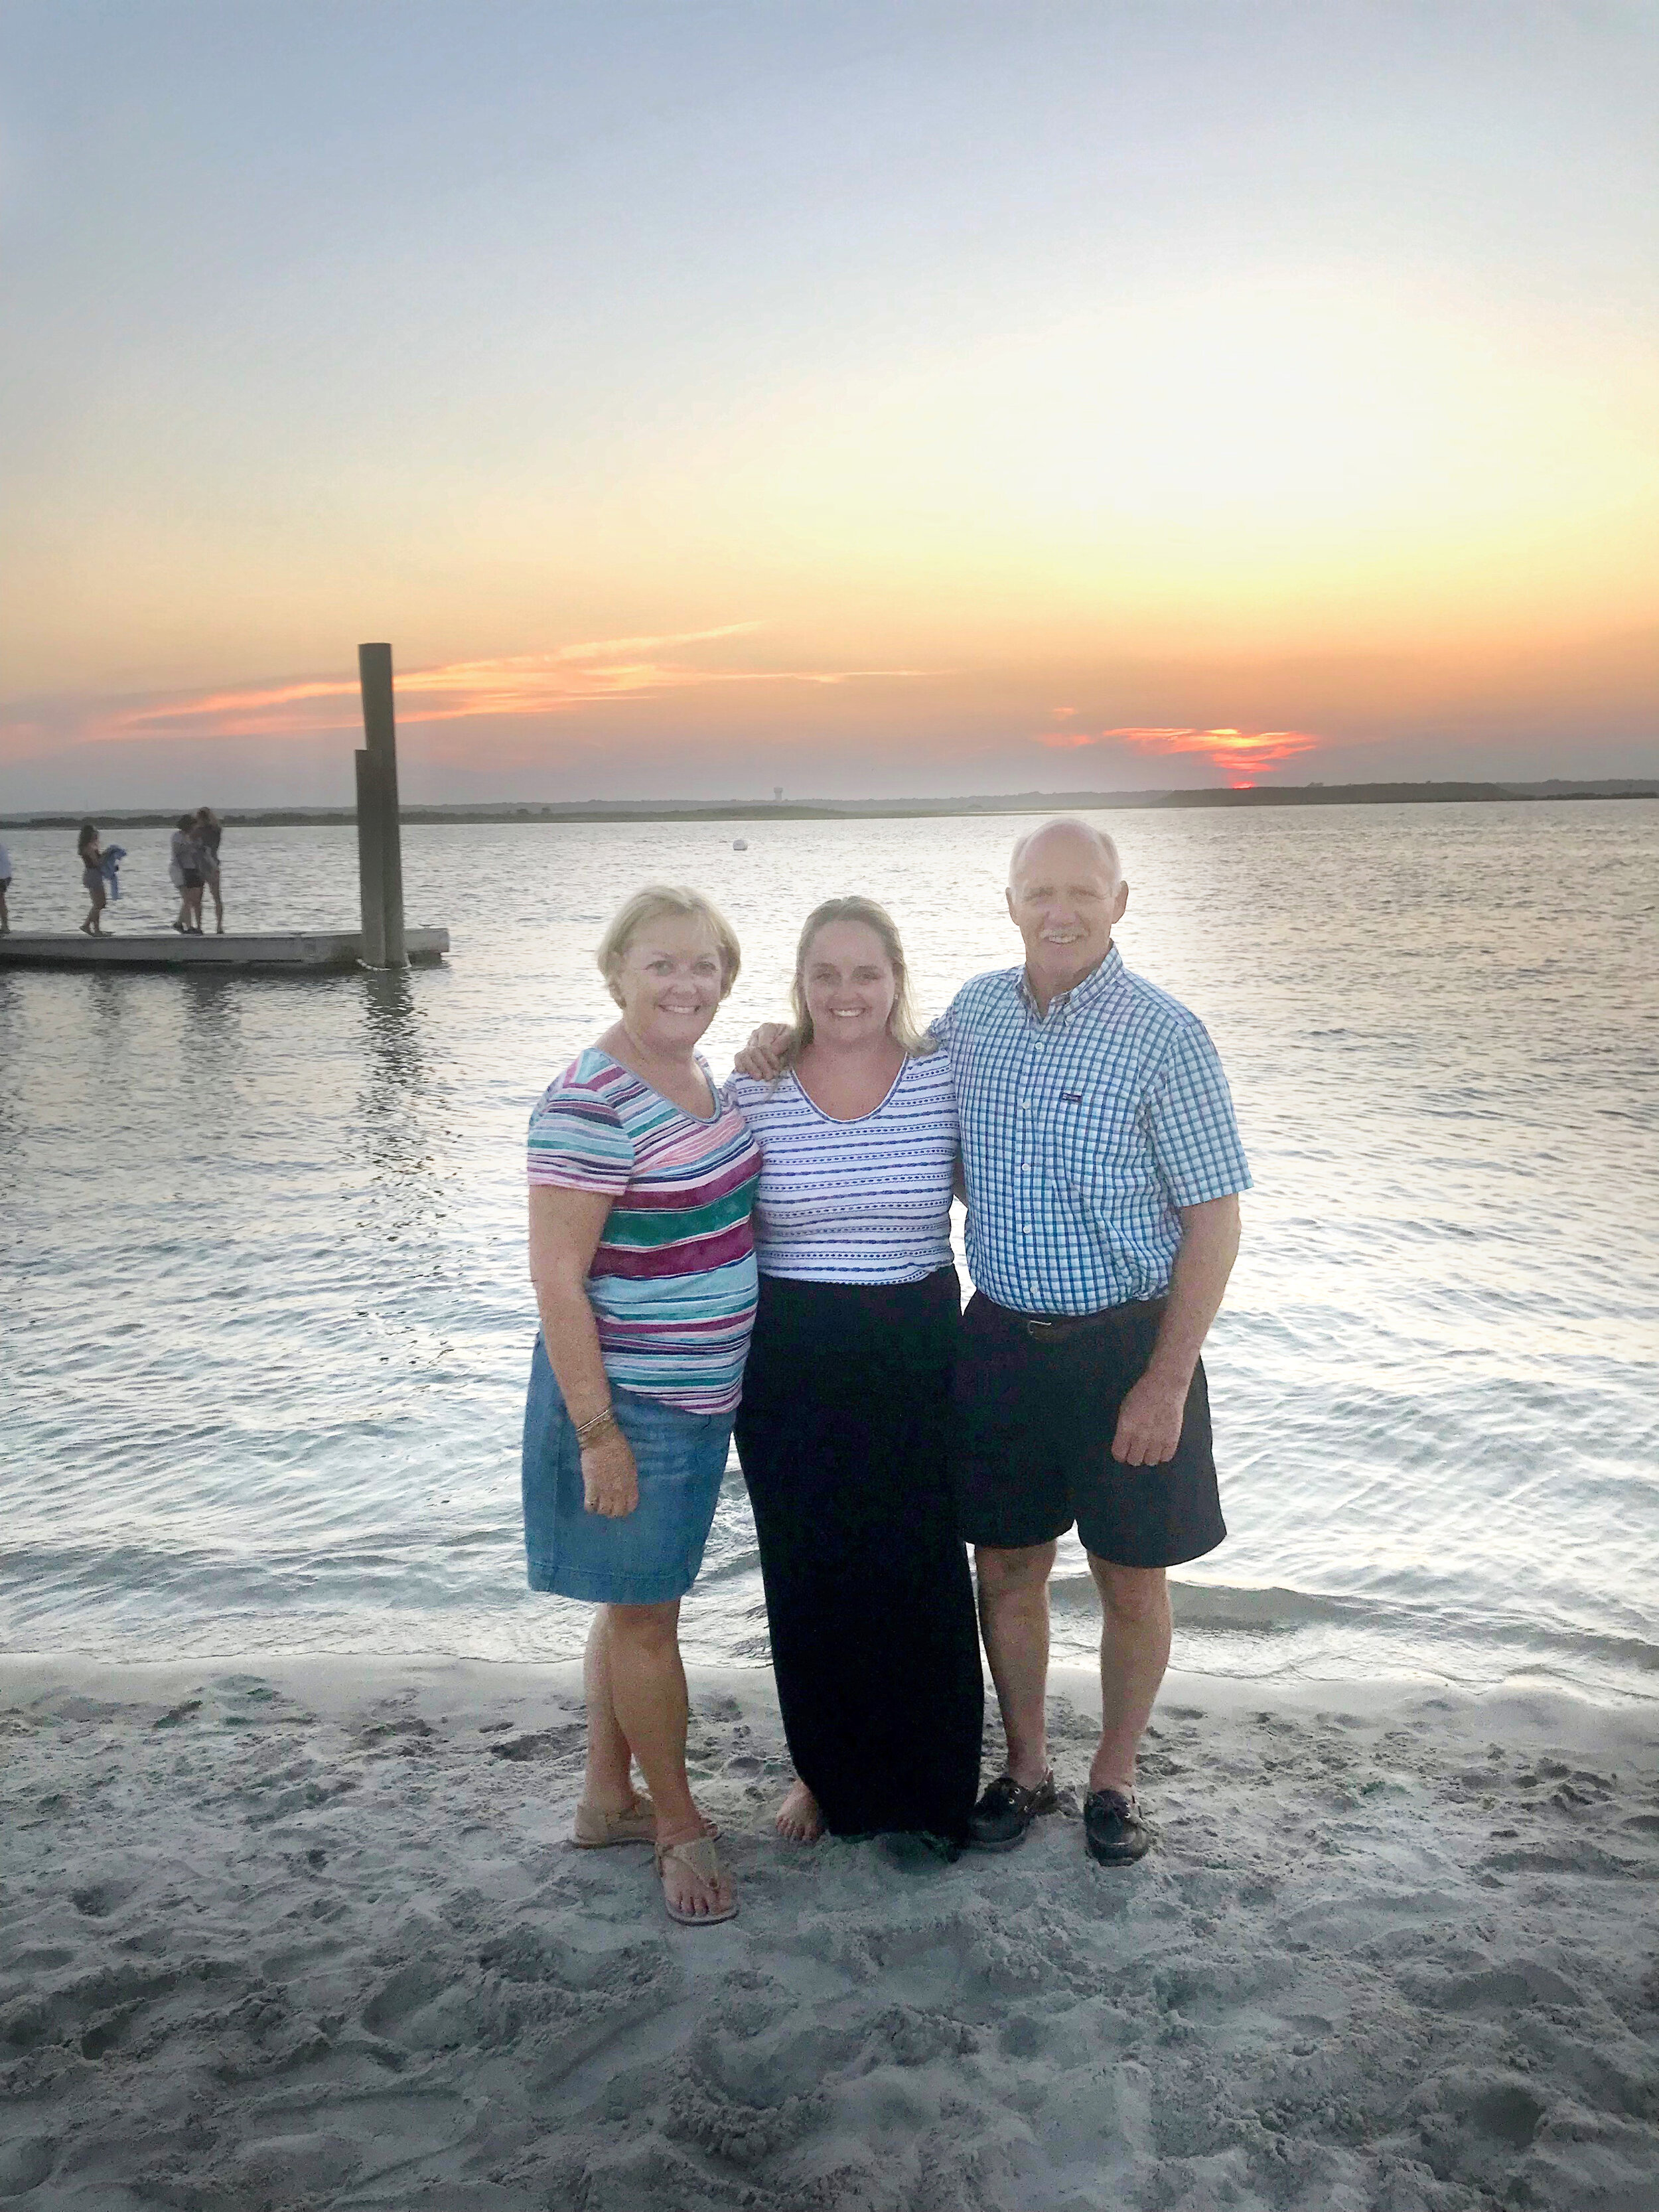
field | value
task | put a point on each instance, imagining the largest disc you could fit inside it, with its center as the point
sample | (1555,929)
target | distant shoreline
(867,810)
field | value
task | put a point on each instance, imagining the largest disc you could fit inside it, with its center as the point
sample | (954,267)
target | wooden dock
(383,942)
(290,952)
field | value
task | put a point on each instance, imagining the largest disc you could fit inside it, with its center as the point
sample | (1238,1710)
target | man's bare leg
(1013,1619)
(1135,1652)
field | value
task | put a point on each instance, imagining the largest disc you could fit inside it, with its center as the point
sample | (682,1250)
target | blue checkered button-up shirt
(1082,1130)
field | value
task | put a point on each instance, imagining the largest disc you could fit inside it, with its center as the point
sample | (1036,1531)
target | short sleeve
(578,1142)
(1194,1134)
(940,1027)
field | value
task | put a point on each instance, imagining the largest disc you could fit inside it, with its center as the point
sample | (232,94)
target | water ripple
(267,1319)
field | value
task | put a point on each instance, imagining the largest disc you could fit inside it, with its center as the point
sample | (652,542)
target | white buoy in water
(739,844)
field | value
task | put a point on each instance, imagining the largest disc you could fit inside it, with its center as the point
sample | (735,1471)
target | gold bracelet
(595,1427)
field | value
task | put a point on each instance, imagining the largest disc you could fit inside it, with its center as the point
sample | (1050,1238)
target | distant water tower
(777,793)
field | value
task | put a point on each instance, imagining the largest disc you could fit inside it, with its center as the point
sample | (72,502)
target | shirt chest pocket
(1087,1139)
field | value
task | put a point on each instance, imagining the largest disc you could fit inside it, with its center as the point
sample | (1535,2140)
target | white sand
(309,1934)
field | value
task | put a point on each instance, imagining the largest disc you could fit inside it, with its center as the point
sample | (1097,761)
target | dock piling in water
(379,841)
(371,861)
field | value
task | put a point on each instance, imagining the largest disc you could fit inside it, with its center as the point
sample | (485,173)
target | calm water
(266,1318)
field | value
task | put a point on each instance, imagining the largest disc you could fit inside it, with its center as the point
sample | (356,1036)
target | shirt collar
(1097,985)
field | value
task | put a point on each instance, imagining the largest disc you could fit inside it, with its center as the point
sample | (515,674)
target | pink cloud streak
(597,672)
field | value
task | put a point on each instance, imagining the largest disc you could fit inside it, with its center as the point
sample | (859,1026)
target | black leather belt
(1054,1328)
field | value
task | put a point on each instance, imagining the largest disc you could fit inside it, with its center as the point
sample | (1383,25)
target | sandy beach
(310,1933)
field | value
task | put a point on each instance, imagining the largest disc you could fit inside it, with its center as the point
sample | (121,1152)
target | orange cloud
(1243,755)
(594,673)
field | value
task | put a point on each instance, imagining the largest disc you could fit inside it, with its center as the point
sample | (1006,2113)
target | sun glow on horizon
(1242,755)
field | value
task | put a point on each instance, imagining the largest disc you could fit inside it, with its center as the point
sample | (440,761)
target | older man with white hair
(1103,1167)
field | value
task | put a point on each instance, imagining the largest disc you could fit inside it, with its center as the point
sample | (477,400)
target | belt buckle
(1041,1325)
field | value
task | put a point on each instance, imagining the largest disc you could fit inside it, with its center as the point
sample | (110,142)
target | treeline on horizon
(829,810)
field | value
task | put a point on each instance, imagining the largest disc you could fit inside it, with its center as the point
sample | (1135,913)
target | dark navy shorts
(648,1556)
(1032,1423)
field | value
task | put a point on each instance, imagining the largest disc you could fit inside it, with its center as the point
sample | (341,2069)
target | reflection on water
(268,1320)
(391,1031)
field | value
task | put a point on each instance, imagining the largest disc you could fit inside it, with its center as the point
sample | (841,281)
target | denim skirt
(648,1556)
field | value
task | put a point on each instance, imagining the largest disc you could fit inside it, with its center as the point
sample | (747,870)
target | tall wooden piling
(371,862)
(379,841)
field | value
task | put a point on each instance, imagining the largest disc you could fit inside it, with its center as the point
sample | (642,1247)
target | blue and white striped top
(1083,1131)
(864,1201)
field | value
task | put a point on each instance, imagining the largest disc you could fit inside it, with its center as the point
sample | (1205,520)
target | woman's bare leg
(607,1782)
(648,1696)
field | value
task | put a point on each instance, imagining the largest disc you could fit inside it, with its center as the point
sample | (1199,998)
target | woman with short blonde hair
(661,902)
(642,1185)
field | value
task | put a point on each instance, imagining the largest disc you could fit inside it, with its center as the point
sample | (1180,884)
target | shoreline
(308,1932)
(336,1683)
(877,809)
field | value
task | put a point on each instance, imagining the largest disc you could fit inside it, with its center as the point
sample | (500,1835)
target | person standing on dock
(5,885)
(184,869)
(209,831)
(91,877)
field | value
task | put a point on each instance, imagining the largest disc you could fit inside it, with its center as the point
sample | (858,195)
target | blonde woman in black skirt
(843,1427)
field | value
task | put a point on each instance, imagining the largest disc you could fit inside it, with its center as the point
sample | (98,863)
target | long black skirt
(841,1433)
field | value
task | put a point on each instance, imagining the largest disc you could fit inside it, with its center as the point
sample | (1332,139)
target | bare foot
(799,1818)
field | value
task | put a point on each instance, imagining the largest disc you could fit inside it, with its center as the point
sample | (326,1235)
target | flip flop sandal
(700,1856)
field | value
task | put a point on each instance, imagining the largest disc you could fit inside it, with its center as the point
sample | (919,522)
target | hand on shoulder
(762,1059)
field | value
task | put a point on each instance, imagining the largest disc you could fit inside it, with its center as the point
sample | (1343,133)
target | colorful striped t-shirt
(673,1283)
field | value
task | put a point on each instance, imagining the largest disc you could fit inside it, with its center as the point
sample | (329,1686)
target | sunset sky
(861,399)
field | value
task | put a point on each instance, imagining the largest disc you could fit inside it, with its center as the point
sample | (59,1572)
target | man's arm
(1149,1423)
